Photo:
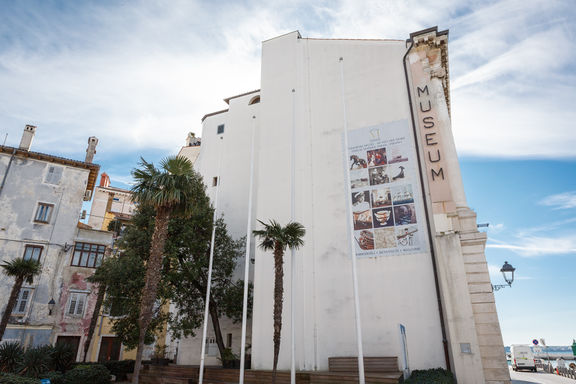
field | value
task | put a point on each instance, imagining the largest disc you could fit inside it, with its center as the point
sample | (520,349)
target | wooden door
(109,349)
(73,341)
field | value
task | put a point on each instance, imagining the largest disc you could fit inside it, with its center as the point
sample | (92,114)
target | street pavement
(524,377)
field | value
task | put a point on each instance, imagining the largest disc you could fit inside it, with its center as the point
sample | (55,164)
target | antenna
(5,137)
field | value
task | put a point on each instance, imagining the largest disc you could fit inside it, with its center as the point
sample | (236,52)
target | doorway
(72,341)
(109,349)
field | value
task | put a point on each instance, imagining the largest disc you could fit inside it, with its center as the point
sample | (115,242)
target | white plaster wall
(393,290)
(98,209)
(226,156)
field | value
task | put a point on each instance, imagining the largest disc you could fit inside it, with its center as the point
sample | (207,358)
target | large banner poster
(387,212)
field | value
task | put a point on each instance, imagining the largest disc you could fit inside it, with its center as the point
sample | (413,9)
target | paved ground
(524,377)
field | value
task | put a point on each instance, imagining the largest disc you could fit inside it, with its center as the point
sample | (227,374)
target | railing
(562,371)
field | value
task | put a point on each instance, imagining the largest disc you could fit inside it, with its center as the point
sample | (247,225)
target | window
(53,175)
(43,213)
(220,129)
(214,181)
(116,307)
(76,303)
(32,252)
(22,302)
(88,255)
(211,347)
(229,340)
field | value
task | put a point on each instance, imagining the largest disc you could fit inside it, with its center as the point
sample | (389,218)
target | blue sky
(140,74)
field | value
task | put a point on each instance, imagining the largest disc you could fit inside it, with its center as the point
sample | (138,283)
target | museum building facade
(353,139)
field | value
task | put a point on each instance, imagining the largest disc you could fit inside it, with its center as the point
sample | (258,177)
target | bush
(93,374)
(62,357)
(35,361)
(55,377)
(120,368)
(10,356)
(431,376)
(9,378)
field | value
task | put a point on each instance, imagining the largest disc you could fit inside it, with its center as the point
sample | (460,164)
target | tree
(276,238)
(170,190)
(22,271)
(184,275)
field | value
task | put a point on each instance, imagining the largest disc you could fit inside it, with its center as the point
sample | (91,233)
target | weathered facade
(41,197)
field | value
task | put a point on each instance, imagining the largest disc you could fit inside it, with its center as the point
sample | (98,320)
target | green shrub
(62,357)
(120,368)
(9,378)
(35,361)
(431,376)
(93,374)
(10,356)
(55,377)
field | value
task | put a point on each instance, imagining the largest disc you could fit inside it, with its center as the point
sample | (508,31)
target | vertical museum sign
(431,142)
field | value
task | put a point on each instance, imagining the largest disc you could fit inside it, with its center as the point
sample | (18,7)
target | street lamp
(508,273)
(51,305)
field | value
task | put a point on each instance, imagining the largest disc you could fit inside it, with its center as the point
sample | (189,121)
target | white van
(522,357)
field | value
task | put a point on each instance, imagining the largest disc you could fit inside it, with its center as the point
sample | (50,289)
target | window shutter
(73,300)
(80,304)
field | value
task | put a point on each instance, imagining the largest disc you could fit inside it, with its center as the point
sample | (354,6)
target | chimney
(27,137)
(91,150)
(192,140)
(104,180)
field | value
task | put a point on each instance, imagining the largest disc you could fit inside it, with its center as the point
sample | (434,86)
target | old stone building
(41,197)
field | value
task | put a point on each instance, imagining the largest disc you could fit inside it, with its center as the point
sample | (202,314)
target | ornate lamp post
(508,273)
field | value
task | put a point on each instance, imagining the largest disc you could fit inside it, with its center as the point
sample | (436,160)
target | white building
(41,198)
(420,258)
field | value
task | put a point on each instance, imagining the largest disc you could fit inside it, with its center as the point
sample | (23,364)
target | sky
(140,75)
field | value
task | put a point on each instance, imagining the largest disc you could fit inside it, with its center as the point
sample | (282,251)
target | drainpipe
(7,170)
(432,252)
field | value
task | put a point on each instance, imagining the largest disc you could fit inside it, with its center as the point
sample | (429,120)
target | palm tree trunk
(278,298)
(10,306)
(153,275)
(216,325)
(94,319)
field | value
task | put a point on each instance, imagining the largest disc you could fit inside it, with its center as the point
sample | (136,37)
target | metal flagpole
(247,257)
(351,230)
(210,262)
(293,253)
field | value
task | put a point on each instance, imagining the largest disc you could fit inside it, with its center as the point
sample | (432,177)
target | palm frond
(20,268)
(274,234)
(174,185)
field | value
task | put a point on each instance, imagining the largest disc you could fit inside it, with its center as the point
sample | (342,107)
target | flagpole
(247,257)
(210,262)
(351,231)
(292,251)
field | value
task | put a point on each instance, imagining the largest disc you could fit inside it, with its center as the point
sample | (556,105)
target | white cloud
(141,74)
(564,200)
(496,228)
(532,246)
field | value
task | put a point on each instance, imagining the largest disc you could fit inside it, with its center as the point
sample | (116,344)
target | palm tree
(277,238)
(172,191)
(22,271)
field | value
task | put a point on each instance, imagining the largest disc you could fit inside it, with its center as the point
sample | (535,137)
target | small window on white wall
(22,303)
(220,129)
(43,213)
(211,347)
(53,175)
(76,303)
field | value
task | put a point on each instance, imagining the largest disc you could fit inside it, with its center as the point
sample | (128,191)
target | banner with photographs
(387,213)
